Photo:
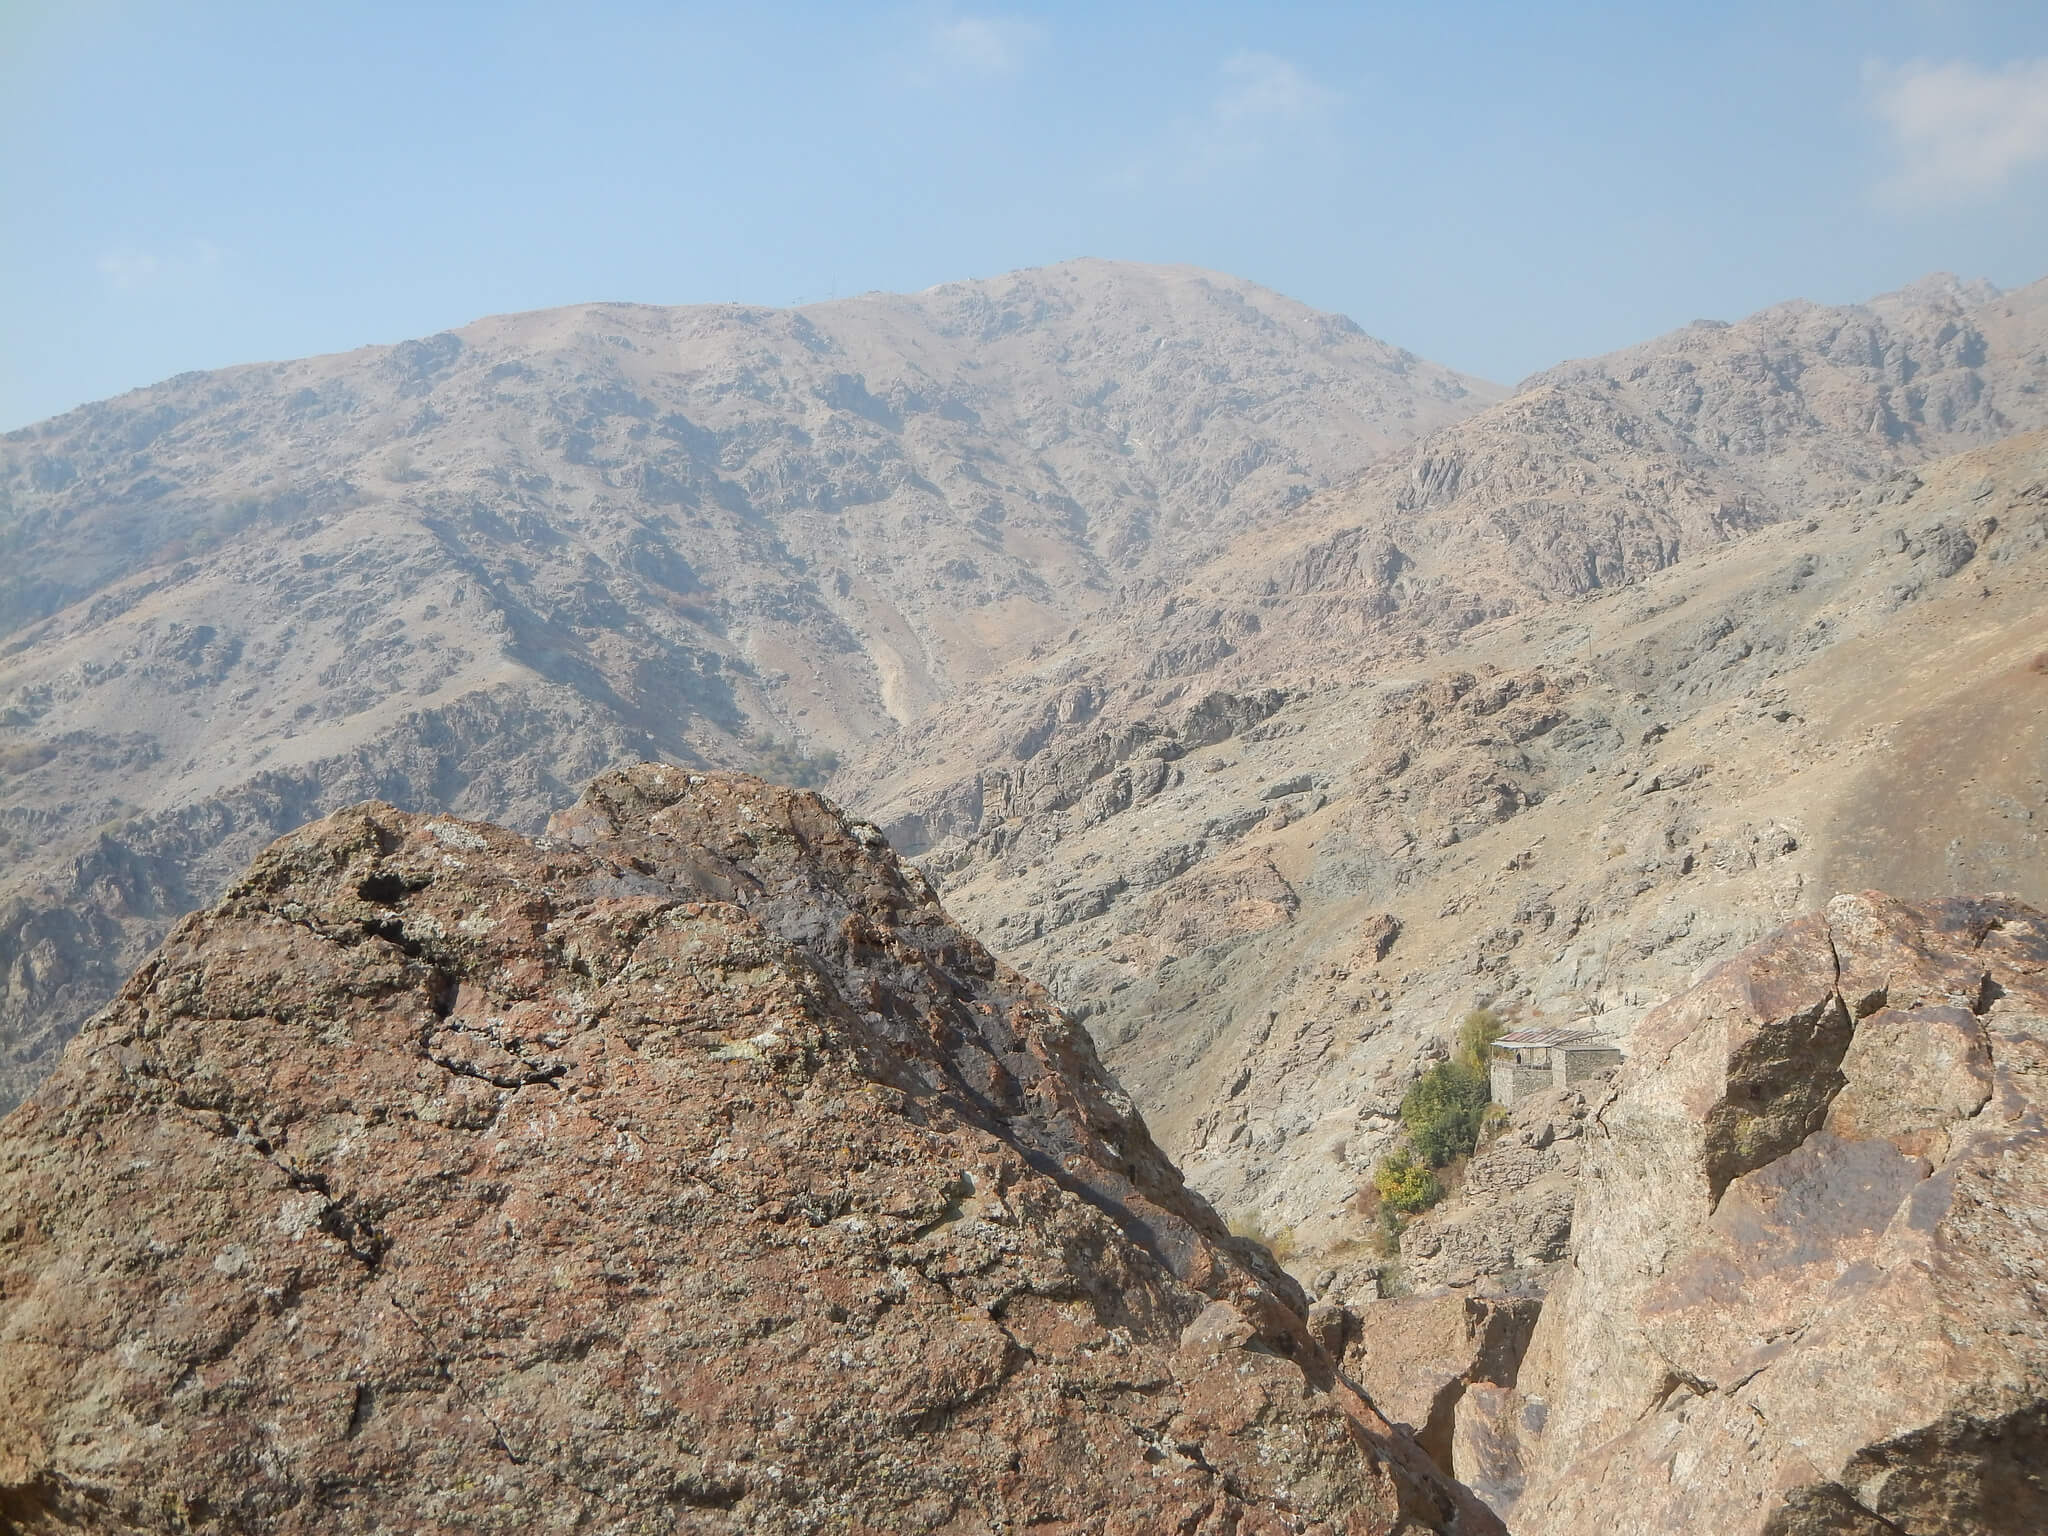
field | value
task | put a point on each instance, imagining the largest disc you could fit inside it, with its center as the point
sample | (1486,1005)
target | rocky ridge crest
(685,1168)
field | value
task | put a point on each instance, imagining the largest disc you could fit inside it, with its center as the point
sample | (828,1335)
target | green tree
(1476,1036)
(1405,1185)
(1442,1110)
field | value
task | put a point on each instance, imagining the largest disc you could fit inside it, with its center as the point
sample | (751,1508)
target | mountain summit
(469,571)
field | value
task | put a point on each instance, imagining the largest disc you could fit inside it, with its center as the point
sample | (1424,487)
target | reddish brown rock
(1207,907)
(1376,938)
(1809,1291)
(1416,1358)
(685,1170)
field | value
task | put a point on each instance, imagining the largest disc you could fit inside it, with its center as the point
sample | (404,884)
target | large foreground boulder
(1809,1294)
(686,1169)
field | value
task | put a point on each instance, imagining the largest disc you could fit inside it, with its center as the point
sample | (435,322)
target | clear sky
(1495,186)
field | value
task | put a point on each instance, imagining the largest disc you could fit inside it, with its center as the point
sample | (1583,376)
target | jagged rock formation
(685,1169)
(468,572)
(1418,1357)
(1511,1218)
(1807,1295)
(1504,1228)
(1568,812)
(1471,1275)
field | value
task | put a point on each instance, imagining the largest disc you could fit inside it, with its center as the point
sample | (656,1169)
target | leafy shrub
(1476,1036)
(1442,1110)
(1406,1185)
(1442,1113)
(783,762)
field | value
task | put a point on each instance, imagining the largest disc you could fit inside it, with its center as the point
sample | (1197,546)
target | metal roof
(1555,1035)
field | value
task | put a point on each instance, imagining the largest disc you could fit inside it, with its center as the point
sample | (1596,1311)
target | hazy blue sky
(1495,186)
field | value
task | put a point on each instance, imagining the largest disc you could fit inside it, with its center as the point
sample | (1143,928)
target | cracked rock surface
(685,1169)
(1506,1227)
(1808,1294)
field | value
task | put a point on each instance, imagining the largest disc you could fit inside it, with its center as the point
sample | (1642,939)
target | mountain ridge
(1448,660)
(1553,493)
(470,571)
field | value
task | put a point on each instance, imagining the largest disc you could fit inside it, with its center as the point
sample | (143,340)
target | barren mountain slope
(1594,475)
(469,571)
(1273,856)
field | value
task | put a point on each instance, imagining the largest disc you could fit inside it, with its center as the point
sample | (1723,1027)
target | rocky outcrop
(1417,1357)
(1807,1295)
(1510,1221)
(1505,1225)
(685,1169)
(1467,1286)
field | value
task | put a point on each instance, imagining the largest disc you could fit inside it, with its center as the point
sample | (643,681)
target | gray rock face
(467,573)
(1511,1221)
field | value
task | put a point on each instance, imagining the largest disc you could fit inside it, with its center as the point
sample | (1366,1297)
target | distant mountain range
(469,571)
(1275,698)
(1008,553)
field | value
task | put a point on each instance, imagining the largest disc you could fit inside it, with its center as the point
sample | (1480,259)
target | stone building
(1548,1056)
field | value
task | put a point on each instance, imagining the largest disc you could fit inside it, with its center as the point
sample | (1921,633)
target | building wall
(1512,1079)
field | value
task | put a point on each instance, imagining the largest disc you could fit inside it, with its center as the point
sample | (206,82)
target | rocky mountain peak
(1939,290)
(685,1165)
